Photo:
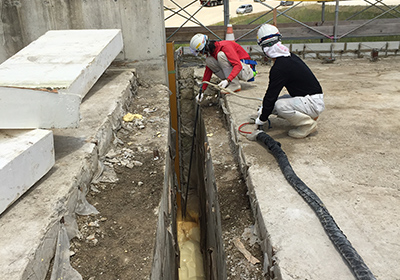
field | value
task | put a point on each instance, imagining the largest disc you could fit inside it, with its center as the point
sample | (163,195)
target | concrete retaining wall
(141,22)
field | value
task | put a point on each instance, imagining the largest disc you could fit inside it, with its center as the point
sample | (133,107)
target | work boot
(305,125)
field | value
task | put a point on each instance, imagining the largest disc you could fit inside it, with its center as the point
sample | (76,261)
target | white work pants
(311,105)
(222,67)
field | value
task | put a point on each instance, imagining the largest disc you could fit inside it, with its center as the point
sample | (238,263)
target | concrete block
(368,46)
(393,46)
(338,47)
(43,85)
(25,157)
(318,47)
(352,46)
(296,48)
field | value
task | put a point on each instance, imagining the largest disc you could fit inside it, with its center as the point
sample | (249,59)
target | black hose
(350,255)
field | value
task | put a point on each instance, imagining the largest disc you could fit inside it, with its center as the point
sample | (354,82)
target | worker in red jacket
(226,59)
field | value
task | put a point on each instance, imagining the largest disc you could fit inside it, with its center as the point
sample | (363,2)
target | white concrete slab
(25,157)
(43,84)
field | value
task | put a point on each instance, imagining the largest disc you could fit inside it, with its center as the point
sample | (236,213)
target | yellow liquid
(191,259)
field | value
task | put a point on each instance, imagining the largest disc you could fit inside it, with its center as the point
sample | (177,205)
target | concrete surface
(29,228)
(351,163)
(43,84)
(25,156)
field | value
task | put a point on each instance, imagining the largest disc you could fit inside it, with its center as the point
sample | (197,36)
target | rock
(91,237)
(94,224)
(111,154)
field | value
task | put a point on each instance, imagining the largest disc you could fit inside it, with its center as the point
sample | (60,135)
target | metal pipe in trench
(349,254)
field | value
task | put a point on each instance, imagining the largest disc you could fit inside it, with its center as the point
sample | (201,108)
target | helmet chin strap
(206,49)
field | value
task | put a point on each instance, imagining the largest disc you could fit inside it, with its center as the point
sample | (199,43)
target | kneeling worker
(224,59)
(305,101)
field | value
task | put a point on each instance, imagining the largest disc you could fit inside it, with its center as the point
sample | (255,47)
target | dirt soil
(123,240)
(118,243)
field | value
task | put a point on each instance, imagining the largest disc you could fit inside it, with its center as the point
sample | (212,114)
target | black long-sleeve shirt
(293,74)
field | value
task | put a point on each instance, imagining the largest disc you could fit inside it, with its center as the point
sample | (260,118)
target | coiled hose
(350,255)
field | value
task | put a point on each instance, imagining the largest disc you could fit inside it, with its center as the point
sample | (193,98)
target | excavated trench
(189,241)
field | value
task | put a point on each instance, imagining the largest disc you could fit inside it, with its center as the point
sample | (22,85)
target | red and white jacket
(234,52)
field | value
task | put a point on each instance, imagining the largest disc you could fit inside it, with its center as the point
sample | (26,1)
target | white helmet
(268,35)
(198,42)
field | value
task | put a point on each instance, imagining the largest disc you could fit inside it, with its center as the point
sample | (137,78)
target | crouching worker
(224,59)
(305,101)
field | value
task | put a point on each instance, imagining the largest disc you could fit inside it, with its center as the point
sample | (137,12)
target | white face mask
(276,50)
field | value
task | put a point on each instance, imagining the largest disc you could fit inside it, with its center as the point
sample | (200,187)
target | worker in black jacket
(305,102)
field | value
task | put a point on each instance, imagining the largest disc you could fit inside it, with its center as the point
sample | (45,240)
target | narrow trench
(199,237)
(207,235)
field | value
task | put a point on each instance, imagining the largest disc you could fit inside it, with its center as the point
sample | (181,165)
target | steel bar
(178,10)
(187,21)
(303,24)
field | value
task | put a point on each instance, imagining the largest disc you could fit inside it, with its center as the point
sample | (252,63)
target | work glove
(260,122)
(200,96)
(223,84)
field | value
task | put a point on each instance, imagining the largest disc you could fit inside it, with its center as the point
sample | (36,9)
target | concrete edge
(38,263)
